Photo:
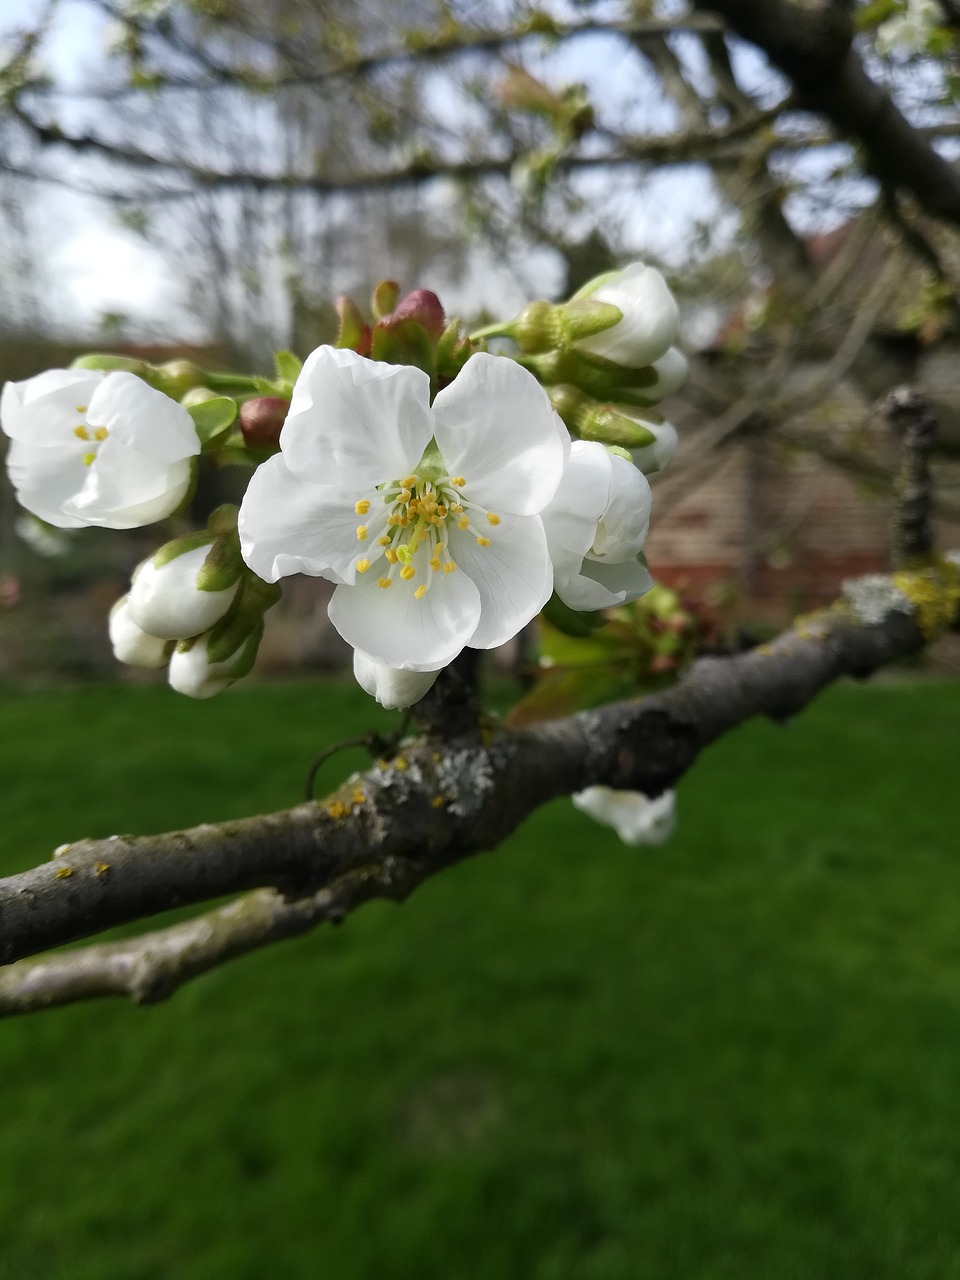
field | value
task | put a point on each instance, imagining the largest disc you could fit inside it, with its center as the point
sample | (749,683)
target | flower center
(92,435)
(410,523)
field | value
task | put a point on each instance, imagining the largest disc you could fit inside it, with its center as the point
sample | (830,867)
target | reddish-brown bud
(261,420)
(663,662)
(424,307)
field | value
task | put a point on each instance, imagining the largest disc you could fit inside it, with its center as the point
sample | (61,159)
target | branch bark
(405,819)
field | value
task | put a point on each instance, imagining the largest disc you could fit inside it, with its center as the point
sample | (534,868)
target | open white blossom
(426,516)
(131,644)
(392,688)
(166,601)
(89,448)
(635,818)
(650,322)
(596,526)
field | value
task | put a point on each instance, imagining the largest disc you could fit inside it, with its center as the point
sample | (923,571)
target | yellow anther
(101,433)
(404,495)
(80,408)
(458,481)
(361,507)
(492,518)
(420,592)
(463,522)
(441,510)
(88,459)
(392,556)
(363,566)
(395,521)
(81,432)
(483,542)
(404,522)
(383,583)
(384,541)
(361,533)
(411,482)
(456,508)
(435,563)
(449,567)
(407,572)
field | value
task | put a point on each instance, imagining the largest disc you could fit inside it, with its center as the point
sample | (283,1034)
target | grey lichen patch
(874,596)
(465,777)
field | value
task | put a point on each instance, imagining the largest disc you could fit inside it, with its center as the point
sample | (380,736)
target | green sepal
(213,417)
(404,342)
(571,622)
(593,285)
(106,363)
(179,547)
(288,366)
(454,349)
(385,297)
(222,567)
(584,318)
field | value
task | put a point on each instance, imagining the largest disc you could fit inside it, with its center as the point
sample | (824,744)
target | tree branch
(384,832)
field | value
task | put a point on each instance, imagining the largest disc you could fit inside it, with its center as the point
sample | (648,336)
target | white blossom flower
(635,818)
(193,673)
(427,517)
(392,688)
(656,455)
(166,600)
(131,644)
(94,449)
(596,526)
(650,317)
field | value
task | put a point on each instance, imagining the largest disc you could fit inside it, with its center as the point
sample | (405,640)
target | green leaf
(561,691)
(213,417)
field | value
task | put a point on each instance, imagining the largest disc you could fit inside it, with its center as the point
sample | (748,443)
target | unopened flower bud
(175,378)
(131,644)
(392,688)
(653,457)
(166,599)
(424,307)
(198,675)
(649,316)
(262,419)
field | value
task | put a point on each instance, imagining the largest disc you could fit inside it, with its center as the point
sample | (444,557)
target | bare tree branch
(392,827)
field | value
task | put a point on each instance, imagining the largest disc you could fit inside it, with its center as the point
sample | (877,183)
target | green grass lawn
(733,1058)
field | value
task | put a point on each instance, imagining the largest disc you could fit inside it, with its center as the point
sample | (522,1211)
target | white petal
(43,411)
(290,525)
(513,575)
(497,429)
(131,644)
(392,688)
(635,818)
(391,626)
(604,586)
(672,369)
(47,478)
(622,528)
(651,458)
(356,423)
(142,418)
(167,602)
(570,520)
(193,674)
(124,489)
(650,318)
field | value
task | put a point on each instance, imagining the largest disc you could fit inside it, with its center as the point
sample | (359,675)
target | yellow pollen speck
(392,556)
(437,802)
(101,433)
(463,522)
(458,481)
(383,582)
(492,518)
(483,542)
(361,533)
(361,507)
(63,872)
(384,541)
(449,566)
(410,482)
(407,572)
(102,868)
(400,763)
(358,796)
(80,408)
(89,459)
(337,809)
(420,592)
(81,432)
(363,566)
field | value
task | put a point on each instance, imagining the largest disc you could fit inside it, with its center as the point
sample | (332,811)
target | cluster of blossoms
(447,510)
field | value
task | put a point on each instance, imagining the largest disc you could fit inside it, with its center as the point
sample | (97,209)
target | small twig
(911,534)
(374,744)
